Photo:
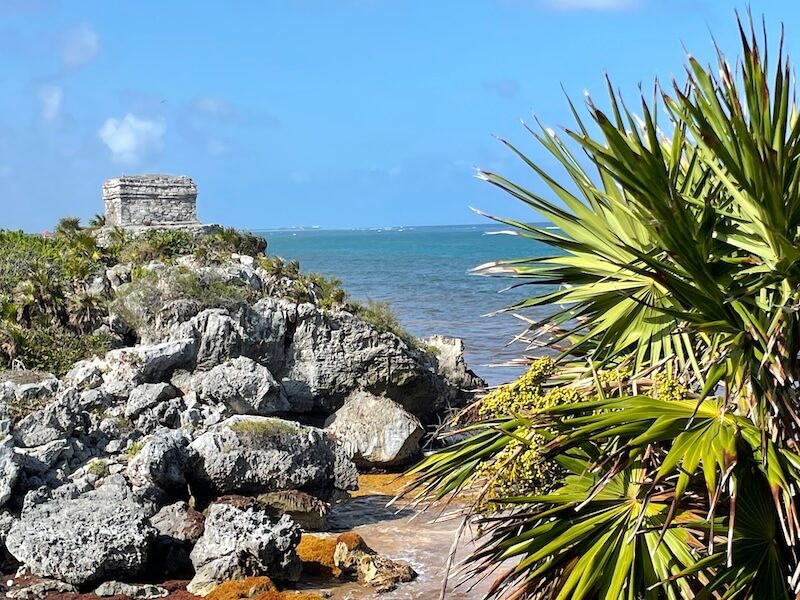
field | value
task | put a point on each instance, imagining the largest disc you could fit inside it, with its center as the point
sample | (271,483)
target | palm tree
(677,257)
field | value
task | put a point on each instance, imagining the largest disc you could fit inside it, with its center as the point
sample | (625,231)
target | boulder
(149,363)
(85,375)
(376,431)
(243,543)
(134,591)
(353,557)
(253,455)
(162,461)
(179,527)
(10,470)
(55,421)
(148,395)
(451,364)
(335,353)
(244,386)
(40,589)
(101,534)
(218,336)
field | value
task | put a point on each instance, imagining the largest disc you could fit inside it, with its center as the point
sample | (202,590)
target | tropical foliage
(677,333)
(56,304)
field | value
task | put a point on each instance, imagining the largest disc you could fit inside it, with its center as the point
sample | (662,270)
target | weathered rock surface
(242,543)
(142,591)
(333,354)
(162,461)
(264,454)
(245,387)
(353,556)
(55,421)
(101,534)
(149,363)
(451,364)
(9,470)
(376,431)
(40,589)
(179,527)
(148,395)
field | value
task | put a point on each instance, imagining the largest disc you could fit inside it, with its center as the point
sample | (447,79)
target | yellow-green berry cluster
(668,388)
(525,394)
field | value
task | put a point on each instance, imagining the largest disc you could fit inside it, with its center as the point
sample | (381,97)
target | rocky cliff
(255,408)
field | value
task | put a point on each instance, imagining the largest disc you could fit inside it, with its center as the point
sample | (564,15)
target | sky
(334,113)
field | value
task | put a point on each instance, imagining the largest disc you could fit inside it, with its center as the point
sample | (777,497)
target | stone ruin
(140,203)
(150,200)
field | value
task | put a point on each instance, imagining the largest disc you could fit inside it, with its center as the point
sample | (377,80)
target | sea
(424,273)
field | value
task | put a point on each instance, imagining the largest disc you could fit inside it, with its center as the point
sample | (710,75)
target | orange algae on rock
(316,554)
(240,589)
(290,596)
(351,540)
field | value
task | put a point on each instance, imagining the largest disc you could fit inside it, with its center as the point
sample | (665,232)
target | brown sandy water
(405,535)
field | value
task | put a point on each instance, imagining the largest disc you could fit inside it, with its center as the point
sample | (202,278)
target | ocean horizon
(424,273)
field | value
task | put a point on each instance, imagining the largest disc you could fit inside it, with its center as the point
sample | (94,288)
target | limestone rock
(451,363)
(263,454)
(179,527)
(40,589)
(148,395)
(10,470)
(242,543)
(98,535)
(333,354)
(139,591)
(85,375)
(55,421)
(353,556)
(149,363)
(245,387)
(162,461)
(376,431)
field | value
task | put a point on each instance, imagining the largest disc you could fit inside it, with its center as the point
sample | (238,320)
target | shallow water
(408,536)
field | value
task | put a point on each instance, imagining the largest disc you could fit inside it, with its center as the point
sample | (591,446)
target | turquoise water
(423,273)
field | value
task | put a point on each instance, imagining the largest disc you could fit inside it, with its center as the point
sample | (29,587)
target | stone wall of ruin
(150,200)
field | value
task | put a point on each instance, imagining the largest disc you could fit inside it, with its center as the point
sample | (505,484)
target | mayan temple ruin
(138,203)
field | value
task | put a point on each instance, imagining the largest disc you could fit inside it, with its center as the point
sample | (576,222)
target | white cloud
(591,4)
(79,46)
(50,96)
(132,137)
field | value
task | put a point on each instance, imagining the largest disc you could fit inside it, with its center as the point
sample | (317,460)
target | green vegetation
(264,427)
(134,449)
(53,302)
(675,457)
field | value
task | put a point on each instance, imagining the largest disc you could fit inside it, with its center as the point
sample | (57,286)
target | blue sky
(339,113)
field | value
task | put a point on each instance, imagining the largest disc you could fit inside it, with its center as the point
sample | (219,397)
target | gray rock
(10,470)
(263,454)
(148,395)
(242,543)
(167,414)
(376,431)
(96,536)
(162,461)
(7,562)
(55,421)
(40,589)
(138,591)
(219,337)
(40,459)
(333,354)
(244,386)
(179,527)
(451,363)
(149,363)
(118,275)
